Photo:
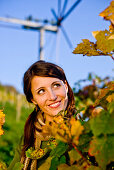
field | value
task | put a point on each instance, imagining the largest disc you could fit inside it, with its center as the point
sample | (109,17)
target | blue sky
(19,48)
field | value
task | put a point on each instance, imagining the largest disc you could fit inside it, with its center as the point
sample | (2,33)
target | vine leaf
(74,156)
(103,150)
(102,124)
(46,164)
(104,44)
(76,130)
(108,13)
(86,48)
(59,150)
(64,130)
(2,120)
(103,99)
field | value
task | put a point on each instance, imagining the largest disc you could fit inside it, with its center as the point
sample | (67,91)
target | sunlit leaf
(94,33)
(102,124)
(110,98)
(2,121)
(103,43)
(108,13)
(76,129)
(74,156)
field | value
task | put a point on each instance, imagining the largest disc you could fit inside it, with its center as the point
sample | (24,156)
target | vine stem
(112,57)
(80,154)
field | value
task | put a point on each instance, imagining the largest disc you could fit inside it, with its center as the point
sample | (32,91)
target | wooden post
(41,50)
(18,107)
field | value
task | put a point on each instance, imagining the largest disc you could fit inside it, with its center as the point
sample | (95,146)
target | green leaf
(104,44)
(62,159)
(111,107)
(84,141)
(18,166)
(3,165)
(86,48)
(54,163)
(103,150)
(46,164)
(74,156)
(59,150)
(102,124)
(28,152)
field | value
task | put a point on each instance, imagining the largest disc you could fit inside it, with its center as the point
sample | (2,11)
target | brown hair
(43,69)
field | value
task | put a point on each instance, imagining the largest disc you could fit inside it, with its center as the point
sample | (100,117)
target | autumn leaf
(86,48)
(102,124)
(58,129)
(2,117)
(74,156)
(76,130)
(94,33)
(108,13)
(46,164)
(110,98)
(96,111)
(2,120)
(103,150)
(104,44)
(3,166)
(104,93)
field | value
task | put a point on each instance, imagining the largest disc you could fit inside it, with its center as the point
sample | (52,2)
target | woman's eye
(57,85)
(41,91)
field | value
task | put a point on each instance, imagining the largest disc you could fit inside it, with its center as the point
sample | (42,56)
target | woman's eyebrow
(39,88)
(58,81)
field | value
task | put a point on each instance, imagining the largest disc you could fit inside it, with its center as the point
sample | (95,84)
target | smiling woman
(46,86)
(50,94)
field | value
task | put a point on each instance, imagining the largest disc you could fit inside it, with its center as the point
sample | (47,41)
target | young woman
(46,86)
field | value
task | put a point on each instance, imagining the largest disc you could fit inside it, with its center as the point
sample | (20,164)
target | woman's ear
(66,86)
(33,101)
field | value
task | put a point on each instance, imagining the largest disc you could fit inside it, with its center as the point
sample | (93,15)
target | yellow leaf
(96,111)
(2,120)
(63,166)
(76,129)
(94,33)
(111,37)
(108,13)
(46,164)
(1,131)
(110,98)
(74,156)
(2,117)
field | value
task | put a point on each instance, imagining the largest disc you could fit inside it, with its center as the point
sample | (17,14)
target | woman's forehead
(43,81)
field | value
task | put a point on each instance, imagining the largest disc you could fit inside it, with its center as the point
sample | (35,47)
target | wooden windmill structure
(45,25)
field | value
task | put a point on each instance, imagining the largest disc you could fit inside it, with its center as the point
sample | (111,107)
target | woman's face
(50,94)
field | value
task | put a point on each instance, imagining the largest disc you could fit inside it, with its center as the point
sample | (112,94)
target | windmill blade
(66,37)
(64,7)
(70,10)
(59,8)
(53,12)
(10,26)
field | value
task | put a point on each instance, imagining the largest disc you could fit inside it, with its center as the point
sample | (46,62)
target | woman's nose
(52,95)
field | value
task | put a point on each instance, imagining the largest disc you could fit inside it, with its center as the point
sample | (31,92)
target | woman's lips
(55,105)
